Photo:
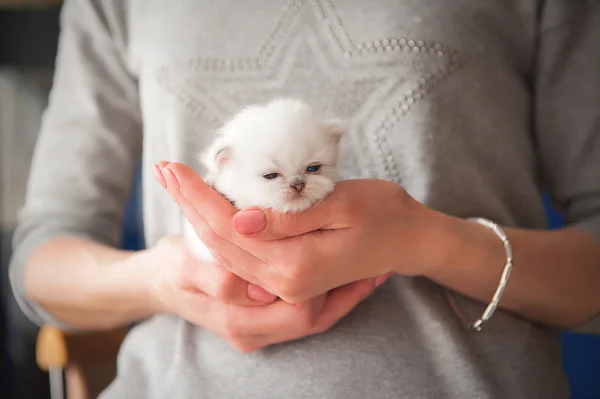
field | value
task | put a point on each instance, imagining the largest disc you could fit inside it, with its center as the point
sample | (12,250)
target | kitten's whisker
(322,200)
(268,214)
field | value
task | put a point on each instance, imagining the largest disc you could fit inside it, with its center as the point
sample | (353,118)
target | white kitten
(281,156)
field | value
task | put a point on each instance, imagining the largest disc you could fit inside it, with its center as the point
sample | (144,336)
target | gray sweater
(473,106)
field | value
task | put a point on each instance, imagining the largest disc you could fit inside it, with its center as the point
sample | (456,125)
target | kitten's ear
(217,156)
(336,127)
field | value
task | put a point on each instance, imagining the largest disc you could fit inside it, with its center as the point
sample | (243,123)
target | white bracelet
(489,311)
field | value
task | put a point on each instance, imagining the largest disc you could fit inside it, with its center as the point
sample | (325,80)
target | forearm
(86,285)
(554,279)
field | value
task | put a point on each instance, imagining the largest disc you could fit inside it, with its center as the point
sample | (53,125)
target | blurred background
(28,40)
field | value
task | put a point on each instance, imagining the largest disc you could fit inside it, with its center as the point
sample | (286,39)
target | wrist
(132,285)
(84,284)
(459,246)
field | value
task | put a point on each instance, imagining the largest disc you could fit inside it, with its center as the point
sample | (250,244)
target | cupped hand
(213,298)
(176,274)
(364,229)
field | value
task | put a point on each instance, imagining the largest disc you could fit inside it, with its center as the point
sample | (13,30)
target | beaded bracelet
(491,308)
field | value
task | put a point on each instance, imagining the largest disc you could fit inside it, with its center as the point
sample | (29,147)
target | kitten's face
(280,157)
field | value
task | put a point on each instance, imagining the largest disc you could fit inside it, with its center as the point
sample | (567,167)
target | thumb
(264,224)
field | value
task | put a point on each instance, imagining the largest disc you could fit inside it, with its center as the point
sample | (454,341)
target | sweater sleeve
(89,144)
(567,114)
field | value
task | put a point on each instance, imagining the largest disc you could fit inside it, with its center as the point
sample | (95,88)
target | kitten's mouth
(295,202)
(295,196)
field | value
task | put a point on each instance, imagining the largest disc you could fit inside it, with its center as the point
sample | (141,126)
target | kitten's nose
(297,185)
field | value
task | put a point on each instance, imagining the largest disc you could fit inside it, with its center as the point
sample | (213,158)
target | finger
(251,328)
(232,258)
(330,213)
(304,329)
(221,284)
(187,190)
(190,191)
(248,344)
(275,321)
(310,326)
(193,306)
(332,308)
(207,312)
(227,254)
(341,301)
(248,329)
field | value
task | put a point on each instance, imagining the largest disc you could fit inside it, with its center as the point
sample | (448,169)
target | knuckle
(242,346)
(287,291)
(306,319)
(218,292)
(223,284)
(277,252)
(231,328)
(299,267)
(184,276)
(294,275)
(321,328)
(293,271)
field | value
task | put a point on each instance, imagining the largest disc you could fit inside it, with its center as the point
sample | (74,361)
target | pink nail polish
(260,294)
(250,221)
(171,178)
(159,176)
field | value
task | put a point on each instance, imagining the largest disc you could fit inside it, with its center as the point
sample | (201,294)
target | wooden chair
(81,366)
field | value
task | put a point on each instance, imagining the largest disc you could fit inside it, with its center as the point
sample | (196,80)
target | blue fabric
(132,225)
(581,353)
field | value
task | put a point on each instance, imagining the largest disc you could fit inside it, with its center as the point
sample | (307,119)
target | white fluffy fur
(284,136)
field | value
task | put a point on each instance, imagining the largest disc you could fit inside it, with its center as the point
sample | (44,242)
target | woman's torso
(437,95)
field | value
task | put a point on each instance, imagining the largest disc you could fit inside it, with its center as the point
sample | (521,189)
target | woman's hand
(246,316)
(176,278)
(365,229)
(370,227)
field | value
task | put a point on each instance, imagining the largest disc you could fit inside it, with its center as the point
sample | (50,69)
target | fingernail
(382,279)
(171,178)
(159,176)
(260,294)
(250,221)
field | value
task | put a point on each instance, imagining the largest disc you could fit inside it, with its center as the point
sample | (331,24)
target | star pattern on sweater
(308,54)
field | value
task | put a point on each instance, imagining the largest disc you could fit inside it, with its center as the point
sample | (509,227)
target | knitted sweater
(473,107)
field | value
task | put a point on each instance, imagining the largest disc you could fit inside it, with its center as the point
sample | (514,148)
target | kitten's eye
(270,176)
(313,168)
